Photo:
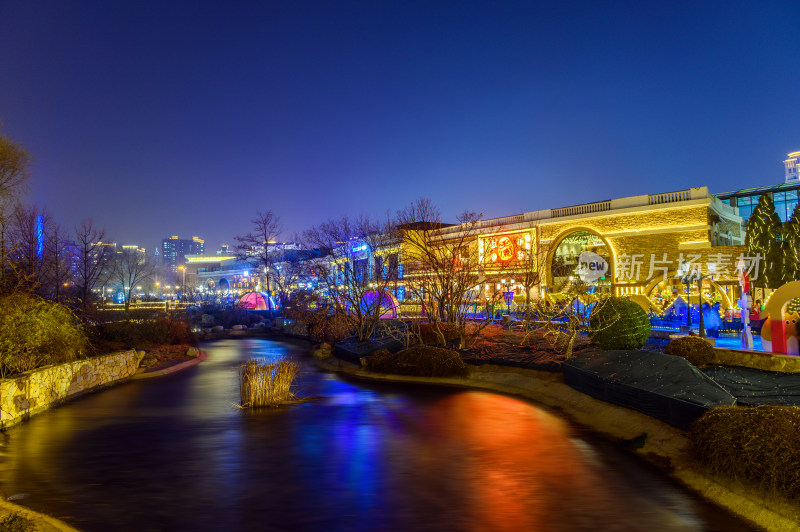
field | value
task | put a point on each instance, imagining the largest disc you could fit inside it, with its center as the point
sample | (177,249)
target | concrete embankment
(663,445)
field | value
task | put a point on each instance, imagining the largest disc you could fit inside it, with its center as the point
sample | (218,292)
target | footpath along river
(175,453)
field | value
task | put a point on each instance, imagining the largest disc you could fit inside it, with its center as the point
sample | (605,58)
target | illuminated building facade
(784,196)
(631,246)
(174,251)
(139,251)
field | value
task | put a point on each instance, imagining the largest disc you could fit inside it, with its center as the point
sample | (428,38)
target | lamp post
(700,277)
(685,275)
(508,295)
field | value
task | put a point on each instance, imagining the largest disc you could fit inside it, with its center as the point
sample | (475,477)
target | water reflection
(174,454)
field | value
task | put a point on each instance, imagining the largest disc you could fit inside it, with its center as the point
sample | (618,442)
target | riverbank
(657,442)
(16,518)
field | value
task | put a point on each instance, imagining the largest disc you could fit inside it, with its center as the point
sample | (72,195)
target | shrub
(697,351)
(419,361)
(618,323)
(135,334)
(759,444)
(328,328)
(264,383)
(36,333)
(428,336)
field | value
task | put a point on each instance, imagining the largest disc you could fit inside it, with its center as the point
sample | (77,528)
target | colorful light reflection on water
(174,454)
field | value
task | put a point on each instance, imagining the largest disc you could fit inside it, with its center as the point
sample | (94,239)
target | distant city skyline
(155,120)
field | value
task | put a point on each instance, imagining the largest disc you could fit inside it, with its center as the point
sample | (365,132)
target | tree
(569,317)
(791,253)
(92,259)
(529,272)
(355,291)
(60,258)
(129,268)
(289,267)
(14,161)
(255,246)
(29,230)
(444,268)
(764,236)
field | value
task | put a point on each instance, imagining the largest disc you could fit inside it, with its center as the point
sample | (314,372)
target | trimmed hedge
(697,351)
(758,444)
(419,361)
(617,323)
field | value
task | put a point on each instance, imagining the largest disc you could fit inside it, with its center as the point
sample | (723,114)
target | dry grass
(264,383)
(759,445)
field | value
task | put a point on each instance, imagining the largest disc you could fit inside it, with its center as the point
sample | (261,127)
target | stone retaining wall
(37,390)
(756,360)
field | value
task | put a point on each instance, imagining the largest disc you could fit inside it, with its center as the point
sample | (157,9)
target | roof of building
(759,190)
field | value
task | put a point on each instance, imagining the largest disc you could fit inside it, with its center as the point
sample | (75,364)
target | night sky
(162,118)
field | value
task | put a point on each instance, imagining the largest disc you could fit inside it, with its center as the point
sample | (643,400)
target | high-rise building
(140,252)
(174,250)
(104,251)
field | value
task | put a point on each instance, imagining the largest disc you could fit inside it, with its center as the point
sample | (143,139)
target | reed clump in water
(264,383)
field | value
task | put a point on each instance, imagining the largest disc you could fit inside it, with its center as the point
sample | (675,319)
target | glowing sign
(359,247)
(591,266)
(505,249)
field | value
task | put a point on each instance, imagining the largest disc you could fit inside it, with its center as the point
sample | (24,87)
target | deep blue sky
(160,119)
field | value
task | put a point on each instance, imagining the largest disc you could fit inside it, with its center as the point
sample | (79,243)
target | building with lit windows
(635,246)
(174,251)
(784,195)
(139,251)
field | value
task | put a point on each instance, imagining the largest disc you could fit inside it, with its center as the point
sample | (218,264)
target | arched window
(584,256)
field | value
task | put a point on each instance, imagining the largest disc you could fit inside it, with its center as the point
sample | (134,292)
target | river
(175,453)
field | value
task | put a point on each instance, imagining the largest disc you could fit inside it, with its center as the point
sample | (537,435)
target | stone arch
(224,284)
(555,242)
(775,309)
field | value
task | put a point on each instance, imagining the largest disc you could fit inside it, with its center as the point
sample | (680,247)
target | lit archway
(580,253)
(654,291)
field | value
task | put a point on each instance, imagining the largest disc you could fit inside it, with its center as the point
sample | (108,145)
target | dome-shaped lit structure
(388,303)
(256,301)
